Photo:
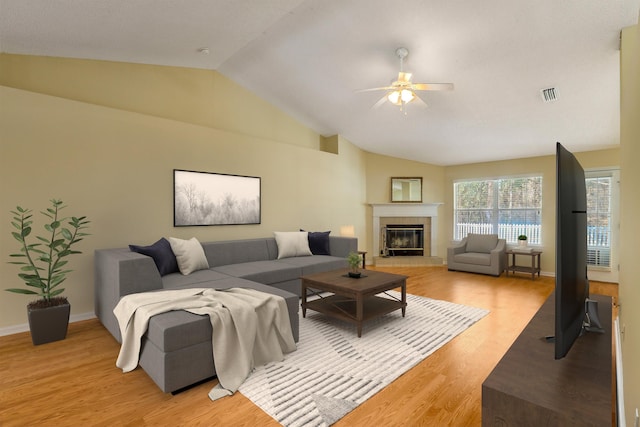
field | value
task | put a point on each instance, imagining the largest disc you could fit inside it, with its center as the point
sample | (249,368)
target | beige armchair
(478,253)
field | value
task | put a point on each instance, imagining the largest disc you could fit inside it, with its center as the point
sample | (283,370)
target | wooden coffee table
(353,300)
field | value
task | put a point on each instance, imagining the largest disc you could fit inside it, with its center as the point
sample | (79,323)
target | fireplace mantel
(404,210)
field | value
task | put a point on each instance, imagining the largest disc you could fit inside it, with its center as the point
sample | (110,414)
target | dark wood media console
(528,387)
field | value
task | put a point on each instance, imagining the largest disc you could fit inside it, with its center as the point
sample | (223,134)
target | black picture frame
(209,198)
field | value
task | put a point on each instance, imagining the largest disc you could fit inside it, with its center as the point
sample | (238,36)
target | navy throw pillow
(319,242)
(162,255)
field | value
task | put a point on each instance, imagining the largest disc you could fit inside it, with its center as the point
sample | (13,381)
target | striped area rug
(333,371)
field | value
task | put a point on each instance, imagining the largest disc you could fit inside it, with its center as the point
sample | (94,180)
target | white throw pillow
(292,243)
(189,254)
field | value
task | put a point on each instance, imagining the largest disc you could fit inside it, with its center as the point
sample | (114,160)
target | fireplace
(406,215)
(404,240)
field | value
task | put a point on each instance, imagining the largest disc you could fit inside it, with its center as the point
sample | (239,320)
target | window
(599,219)
(508,207)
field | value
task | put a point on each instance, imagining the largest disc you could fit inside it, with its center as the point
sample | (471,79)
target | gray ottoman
(176,350)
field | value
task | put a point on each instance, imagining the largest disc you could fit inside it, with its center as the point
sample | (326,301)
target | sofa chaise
(176,350)
(478,253)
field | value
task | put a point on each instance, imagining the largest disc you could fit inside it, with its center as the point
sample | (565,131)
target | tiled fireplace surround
(406,213)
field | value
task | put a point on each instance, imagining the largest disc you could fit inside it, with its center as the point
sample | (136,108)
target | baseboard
(24,327)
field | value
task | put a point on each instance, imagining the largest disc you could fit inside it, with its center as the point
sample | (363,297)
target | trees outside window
(508,207)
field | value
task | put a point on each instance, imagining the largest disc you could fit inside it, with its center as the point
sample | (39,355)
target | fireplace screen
(404,240)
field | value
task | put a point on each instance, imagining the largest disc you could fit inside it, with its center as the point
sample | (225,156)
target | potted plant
(522,240)
(353,259)
(43,268)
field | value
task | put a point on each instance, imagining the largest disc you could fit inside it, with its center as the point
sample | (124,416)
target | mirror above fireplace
(406,189)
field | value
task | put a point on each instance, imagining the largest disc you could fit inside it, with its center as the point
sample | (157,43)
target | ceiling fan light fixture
(401,96)
(407,95)
(394,97)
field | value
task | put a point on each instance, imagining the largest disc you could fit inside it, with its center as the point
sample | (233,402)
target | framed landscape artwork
(206,198)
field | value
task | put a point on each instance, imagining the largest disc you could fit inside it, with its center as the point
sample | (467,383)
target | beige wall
(115,166)
(380,169)
(630,226)
(189,95)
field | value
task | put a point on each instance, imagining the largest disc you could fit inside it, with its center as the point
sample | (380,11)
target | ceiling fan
(403,91)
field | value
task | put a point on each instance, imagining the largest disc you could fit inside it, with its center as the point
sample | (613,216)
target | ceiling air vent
(549,94)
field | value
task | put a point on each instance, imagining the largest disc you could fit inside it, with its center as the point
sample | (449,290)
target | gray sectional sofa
(176,351)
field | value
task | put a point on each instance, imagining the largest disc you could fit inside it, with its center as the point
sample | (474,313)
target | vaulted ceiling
(310,58)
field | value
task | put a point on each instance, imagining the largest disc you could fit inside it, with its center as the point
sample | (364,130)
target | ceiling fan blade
(375,88)
(432,86)
(380,101)
(420,101)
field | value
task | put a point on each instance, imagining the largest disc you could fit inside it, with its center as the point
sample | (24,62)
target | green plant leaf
(25,276)
(17,236)
(29,277)
(26,231)
(57,242)
(22,291)
(55,283)
(64,253)
(67,234)
(34,283)
(56,292)
(59,263)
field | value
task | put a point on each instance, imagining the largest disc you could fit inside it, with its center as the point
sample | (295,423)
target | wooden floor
(75,382)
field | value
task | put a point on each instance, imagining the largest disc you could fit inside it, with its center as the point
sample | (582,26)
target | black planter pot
(48,324)
(355,275)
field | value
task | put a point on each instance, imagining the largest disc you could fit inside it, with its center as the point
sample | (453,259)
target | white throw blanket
(250,328)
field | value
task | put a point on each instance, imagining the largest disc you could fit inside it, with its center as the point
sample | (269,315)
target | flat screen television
(572,285)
